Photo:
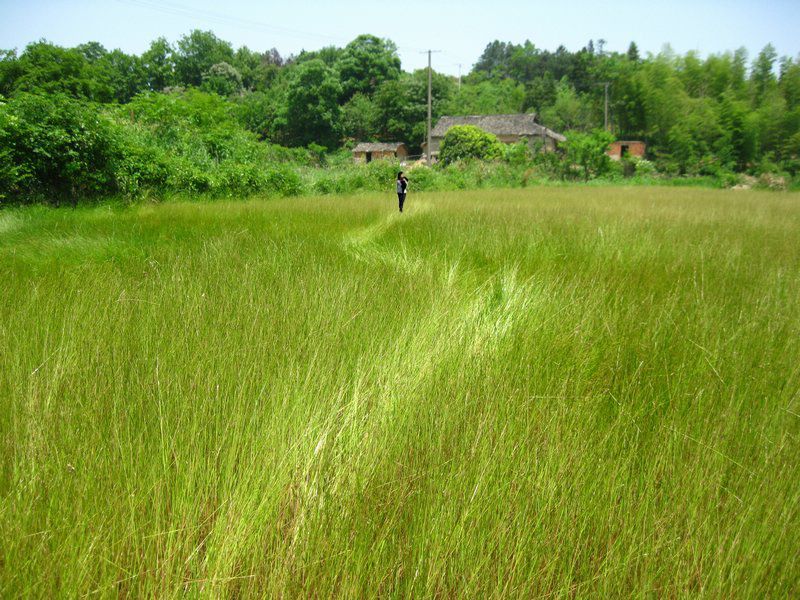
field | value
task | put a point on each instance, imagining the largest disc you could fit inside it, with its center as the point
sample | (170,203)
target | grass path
(530,393)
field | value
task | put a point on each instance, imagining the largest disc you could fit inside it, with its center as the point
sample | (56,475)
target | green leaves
(588,151)
(223,79)
(312,109)
(467,141)
(196,54)
(365,63)
(55,148)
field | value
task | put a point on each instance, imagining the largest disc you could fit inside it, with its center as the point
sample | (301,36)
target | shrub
(283,180)
(56,148)
(518,154)
(423,178)
(643,166)
(587,151)
(467,141)
(222,79)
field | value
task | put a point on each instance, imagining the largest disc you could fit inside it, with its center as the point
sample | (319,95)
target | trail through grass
(528,393)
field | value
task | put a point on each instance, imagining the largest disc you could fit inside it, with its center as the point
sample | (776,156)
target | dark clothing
(402,186)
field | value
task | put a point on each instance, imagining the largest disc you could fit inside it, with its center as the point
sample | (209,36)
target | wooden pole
(430,79)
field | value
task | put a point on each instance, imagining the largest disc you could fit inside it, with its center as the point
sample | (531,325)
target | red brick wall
(634,149)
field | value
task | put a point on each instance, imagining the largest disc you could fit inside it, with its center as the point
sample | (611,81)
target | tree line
(699,116)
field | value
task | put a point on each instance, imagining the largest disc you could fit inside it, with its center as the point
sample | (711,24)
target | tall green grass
(554,392)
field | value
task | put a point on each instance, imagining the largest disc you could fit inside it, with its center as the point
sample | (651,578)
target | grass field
(543,393)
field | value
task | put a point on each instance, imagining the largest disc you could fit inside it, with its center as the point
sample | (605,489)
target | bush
(643,167)
(518,154)
(467,141)
(283,180)
(222,79)
(56,148)
(587,151)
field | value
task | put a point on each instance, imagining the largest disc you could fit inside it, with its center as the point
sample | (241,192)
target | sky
(458,30)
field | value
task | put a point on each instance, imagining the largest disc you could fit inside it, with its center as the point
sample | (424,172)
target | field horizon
(542,393)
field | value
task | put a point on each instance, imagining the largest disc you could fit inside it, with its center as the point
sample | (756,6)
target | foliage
(702,118)
(394,120)
(261,113)
(642,166)
(55,148)
(47,68)
(588,152)
(158,62)
(487,97)
(197,52)
(312,109)
(365,63)
(518,154)
(359,118)
(222,79)
(568,111)
(467,141)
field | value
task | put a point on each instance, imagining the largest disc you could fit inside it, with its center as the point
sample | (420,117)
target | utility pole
(459,77)
(606,84)
(430,103)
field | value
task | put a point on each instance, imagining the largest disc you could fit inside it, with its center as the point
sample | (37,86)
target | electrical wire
(175,9)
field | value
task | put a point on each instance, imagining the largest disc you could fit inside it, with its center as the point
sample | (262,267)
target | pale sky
(459,29)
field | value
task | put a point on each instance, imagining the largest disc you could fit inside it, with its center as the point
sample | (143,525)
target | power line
(175,9)
(180,10)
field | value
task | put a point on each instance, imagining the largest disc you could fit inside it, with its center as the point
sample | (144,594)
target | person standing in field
(402,187)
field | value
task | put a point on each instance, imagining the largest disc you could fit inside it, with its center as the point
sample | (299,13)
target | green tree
(48,68)
(123,75)
(158,62)
(10,71)
(692,74)
(93,51)
(395,111)
(312,109)
(633,53)
(330,55)
(790,82)
(736,146)
(487,97)
(588,151)
(262,113)
(539,93)
(416,97)
(365,63)
(248,64)
(569,111)
(467,141)
(763,76)
(223,79)
(360,118)
(663,99)
(628,117)
(494,59)
(196,54)
(770,119)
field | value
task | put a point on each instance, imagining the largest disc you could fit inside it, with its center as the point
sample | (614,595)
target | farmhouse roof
(378,147)
(514,124)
